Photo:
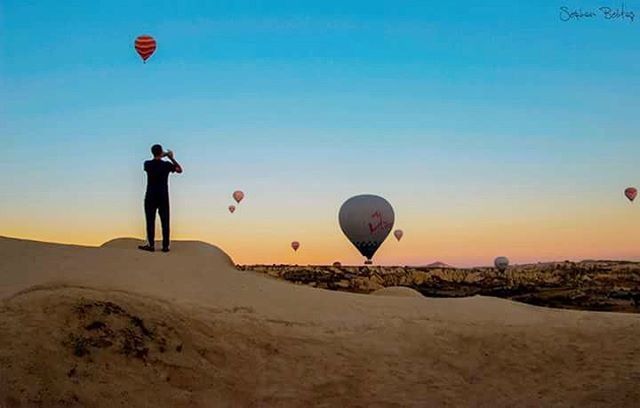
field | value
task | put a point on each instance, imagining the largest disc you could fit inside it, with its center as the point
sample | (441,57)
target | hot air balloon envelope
(366,220)
(238,196)
(631,193)
(295,245)
(232,208)
(501,263)
(145,46)
(398,234)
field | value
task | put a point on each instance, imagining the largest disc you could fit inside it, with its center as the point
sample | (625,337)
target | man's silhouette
(157,196)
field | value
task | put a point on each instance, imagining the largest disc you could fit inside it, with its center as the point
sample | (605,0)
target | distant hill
(439,265)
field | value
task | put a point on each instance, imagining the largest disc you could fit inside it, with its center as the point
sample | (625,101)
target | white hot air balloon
(501,263)
(366,220)
(398,234)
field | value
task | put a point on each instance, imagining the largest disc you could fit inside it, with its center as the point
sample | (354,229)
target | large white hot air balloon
(366,220)
(501,263)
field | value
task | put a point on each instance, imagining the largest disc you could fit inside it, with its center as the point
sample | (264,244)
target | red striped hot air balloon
(145,46)
(631,193)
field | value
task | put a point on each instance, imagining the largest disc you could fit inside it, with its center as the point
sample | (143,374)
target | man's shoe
(165,249)
(148,248)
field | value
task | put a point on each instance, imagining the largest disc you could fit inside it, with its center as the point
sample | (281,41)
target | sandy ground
(114,326)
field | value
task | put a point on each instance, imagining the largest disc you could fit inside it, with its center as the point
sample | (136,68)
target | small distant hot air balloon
(398,234)
(631,193)
(337,264)
(501,263)
(232,209)
(238,196)
(366,220)
(145,46)
(295,245)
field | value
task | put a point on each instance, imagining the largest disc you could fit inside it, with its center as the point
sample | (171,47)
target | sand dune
(114,326)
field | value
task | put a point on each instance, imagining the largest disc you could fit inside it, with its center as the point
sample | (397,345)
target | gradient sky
(492,127)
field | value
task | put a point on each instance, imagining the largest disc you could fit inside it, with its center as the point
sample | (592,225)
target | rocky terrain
(586,285)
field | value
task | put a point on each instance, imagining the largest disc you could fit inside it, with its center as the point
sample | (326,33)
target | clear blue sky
(476,111)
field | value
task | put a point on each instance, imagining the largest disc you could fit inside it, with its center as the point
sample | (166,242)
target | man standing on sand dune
(157,196)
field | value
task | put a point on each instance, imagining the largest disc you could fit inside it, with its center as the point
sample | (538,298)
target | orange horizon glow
(466,241)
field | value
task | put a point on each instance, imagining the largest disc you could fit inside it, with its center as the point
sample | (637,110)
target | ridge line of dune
(52,287)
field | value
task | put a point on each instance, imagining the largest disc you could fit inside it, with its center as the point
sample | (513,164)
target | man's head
(156,150)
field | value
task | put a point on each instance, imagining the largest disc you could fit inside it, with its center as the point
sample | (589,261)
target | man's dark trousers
(159,203)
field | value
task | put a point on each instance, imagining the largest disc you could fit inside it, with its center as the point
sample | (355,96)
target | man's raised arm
(175,163)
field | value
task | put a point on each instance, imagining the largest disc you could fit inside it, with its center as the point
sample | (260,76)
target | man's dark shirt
(158,176)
